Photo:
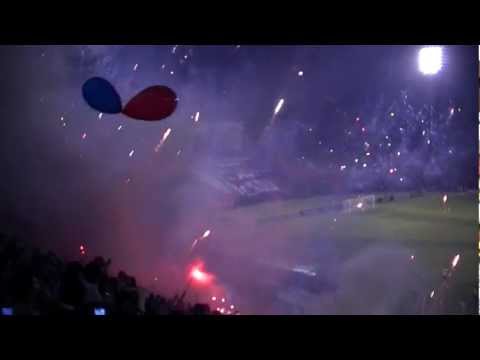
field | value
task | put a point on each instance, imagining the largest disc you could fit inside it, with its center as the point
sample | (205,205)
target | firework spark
(279,106)
(455,261)
(204,236)
(165,136)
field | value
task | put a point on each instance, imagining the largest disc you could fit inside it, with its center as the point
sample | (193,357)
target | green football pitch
(428,234)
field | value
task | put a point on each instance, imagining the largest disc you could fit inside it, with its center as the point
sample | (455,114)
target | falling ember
(223,300)
(445,198)
(364,165)
(343,167)
(359,205)
(214,298)
(232,307)
(130,154)
(279,106)
(135,67)
(84,136)
(172,72)
(300,73)
(119,127)
(197,116)
(164,138)
(412,257)
(391,171)
(204,236)
(356,161)
(194,243)
(363,129)
(392,114)
(455,261)
(100,116)
(432,294)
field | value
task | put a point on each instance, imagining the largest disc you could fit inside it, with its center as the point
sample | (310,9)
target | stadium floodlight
(430,60)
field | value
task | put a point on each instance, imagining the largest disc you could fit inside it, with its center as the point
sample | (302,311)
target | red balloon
(152,104)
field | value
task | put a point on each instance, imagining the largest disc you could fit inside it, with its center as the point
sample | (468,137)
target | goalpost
(359,203)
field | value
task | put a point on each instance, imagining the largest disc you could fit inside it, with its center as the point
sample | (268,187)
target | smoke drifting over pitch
(142,193)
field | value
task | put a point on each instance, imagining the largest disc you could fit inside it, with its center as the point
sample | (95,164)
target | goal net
(359,203)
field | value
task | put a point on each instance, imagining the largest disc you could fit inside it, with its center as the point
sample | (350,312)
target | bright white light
(430,60)
(279,106)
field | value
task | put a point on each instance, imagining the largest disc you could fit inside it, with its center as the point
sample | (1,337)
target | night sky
(72,176)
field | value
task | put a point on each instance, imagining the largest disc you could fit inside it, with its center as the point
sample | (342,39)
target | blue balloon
(102,96)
